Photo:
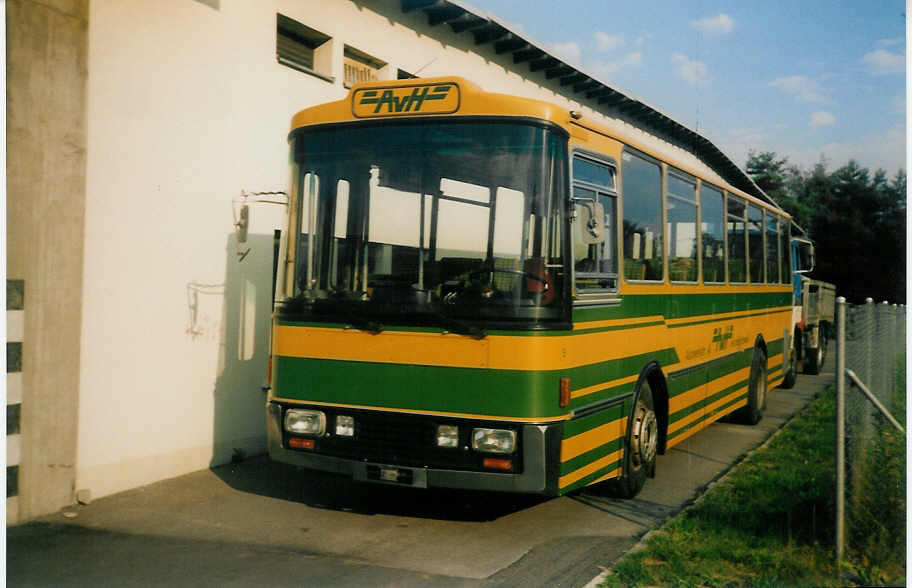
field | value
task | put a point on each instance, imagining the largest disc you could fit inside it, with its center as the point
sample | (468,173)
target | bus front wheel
(640,445)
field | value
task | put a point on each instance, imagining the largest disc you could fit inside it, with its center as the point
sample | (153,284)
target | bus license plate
(387,474)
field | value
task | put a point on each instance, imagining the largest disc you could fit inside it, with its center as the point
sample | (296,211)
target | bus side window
(755,243)
(772,247)
(594,239)
(785,254)
(735,210)
(712,204)
(642,193)
(682,227)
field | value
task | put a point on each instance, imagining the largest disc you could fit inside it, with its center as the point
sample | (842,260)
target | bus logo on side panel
(429,99)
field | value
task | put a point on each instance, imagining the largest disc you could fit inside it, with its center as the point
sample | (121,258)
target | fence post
(891,353)
(840,429)
(867,338)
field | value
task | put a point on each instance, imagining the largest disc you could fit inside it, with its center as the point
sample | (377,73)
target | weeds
(769,523)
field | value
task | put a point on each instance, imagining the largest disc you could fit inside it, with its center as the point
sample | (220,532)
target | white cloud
(606,42)
(821,118)
(882,62)
(886,149)
(609,68)
(802,88)
(691,70)
(721,24)
(569,50)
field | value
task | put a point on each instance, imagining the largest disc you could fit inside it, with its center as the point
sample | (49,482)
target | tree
(856,220)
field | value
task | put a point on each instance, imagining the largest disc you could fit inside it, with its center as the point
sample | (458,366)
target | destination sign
(404,100)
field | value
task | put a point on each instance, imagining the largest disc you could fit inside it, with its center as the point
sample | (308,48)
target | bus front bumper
(541,446)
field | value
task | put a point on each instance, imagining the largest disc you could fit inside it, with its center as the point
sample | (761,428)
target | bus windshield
(430,222)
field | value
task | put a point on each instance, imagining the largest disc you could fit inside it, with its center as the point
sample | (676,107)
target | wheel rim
(761,389)
(644,435)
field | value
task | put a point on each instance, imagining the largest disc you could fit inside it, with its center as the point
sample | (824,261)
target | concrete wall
(46,147)
(187,107)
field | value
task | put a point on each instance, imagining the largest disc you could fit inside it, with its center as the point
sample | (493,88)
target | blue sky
(803,78)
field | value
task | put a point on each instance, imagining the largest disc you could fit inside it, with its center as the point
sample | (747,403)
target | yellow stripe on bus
(713,417)
(729,315)
(706,423)
(618,322)
(580,444)
(538,353)
(694,395)
(604,385)
(612,474)
(587,469)
(451,350)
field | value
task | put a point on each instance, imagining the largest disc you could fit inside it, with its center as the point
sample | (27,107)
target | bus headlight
(305,422)
(447,436)
(493,440)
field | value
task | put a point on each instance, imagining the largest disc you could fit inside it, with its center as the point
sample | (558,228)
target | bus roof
(456,96)
(426,96)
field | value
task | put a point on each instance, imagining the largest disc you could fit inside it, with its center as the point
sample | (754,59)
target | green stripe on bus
(722,408)
(590,456)
(703,321)
(677,306)
(478,391)
(586,480)
(632,307)
(593,374)
(577,426)
(706,401)
(618,328)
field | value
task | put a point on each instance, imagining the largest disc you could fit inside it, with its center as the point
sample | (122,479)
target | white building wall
(187,107)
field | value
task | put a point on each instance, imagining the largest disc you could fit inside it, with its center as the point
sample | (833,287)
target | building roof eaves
(488,28)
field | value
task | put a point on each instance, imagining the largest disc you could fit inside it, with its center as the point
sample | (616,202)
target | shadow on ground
(334,492)
(48,554)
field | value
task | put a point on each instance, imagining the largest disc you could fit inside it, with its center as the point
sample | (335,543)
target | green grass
(772,521)
(876,511)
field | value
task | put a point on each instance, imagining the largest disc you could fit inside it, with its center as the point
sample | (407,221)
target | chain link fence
(873,339)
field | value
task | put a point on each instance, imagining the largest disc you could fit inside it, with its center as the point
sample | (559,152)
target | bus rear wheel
(756,391)
(816,357)
(640,445)
(791,369)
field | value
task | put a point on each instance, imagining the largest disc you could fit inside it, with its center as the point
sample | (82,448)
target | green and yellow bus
(490,292)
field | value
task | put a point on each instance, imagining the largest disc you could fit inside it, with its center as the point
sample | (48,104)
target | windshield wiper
(347,313)
(459,327)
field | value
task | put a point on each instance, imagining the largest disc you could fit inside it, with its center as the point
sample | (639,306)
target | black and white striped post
(15,329)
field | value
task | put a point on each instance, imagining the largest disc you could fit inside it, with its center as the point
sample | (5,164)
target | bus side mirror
(806,259)
(592,222)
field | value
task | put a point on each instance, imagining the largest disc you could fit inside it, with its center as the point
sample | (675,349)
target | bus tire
(756,391)
(815,357)
(640,445)
(791,369)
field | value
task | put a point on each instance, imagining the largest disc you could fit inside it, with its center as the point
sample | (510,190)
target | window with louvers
(297,44)
(360,67)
